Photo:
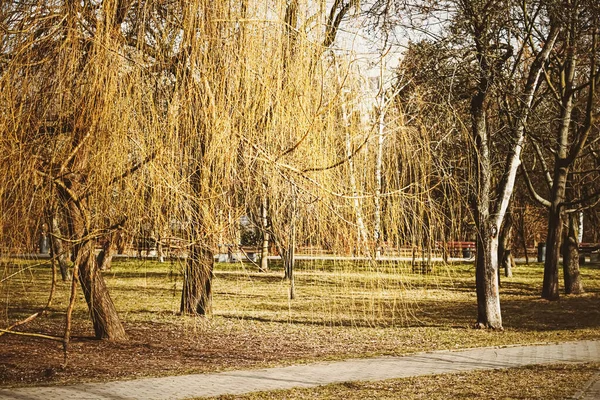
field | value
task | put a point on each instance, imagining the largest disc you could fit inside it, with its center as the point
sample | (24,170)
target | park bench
(591,249)
(456,249)
(250,252)
(152,247)
(229,252)
(313,250)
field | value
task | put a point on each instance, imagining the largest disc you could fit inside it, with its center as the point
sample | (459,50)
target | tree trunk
(486,268)
(160,251)
(505,257)
(553,242)
(57,249)
(105,319)
(289,260)
(196,297)
(571,274)
(555,224)
(521,229)
(264,253)
(102,309)
(121,241)
(488,219)
(580,227)
(289,253)
(360,224)
(555,214)
(104,259)
(378,170)
(362,235)
(488,295)
(559,179)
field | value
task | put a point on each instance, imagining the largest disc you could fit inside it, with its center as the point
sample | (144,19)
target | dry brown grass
(537,382)
(341,311)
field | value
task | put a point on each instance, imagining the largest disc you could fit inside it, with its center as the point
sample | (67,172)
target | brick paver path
(238,382)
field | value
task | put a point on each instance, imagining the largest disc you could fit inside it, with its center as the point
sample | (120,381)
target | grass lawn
(342,310)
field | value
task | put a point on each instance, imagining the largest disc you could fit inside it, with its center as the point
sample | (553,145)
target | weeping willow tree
(250,106)
(78,127)
(186,115)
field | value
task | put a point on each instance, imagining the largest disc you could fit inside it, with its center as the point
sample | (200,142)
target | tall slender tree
(571,79)
(488,33)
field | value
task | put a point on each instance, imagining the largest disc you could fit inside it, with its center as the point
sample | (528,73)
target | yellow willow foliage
(176,118)
(169,114)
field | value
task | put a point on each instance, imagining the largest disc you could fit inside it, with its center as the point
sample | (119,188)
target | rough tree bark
(104,258)
(505,257)
(103,312)
(486,264)
(559,185)
(56,247)
(573,284)
(196,297)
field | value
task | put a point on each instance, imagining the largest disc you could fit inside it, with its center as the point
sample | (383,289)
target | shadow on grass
(252,276)
(527,314)
(518,289)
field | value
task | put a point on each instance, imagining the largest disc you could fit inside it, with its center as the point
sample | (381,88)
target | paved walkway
(591,391)
(238,382)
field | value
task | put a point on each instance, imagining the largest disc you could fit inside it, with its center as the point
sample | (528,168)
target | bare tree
(486,31)
(567,81)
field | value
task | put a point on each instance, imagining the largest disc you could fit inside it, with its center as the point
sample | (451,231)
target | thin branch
(545,169)
(37,335)
(584,132)
(339,162)
(67,335)
(531,189)
(42,311)
(133,169)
